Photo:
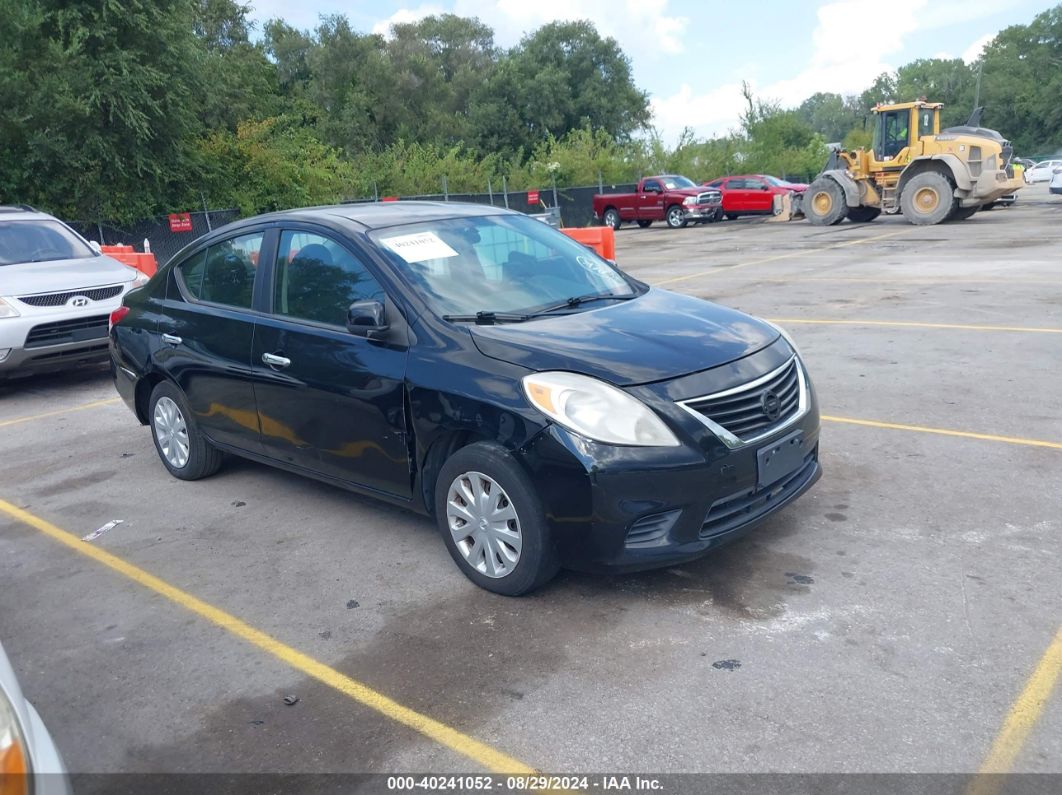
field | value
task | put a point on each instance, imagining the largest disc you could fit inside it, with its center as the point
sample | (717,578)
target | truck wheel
(927,199)
(962,213)
(612,218)
(862,215)
(676,217)
(731,216)
(645,224)
(824,203)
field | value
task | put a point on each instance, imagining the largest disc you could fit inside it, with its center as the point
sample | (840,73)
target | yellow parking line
(778,257)
(82,407)
(481,753)
(907,324)
(1019,722)
(944,432)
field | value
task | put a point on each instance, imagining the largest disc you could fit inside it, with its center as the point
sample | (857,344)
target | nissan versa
(476,365)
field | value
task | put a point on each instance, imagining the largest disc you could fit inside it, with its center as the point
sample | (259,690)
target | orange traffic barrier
(601,239)
(145,263)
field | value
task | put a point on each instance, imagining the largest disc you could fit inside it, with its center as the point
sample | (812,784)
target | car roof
(23,213)
(377,215)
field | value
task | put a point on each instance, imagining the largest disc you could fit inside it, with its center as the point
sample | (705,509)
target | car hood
(26,278)
(657,336)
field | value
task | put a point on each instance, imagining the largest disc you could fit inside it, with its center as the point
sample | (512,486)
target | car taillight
(116,316)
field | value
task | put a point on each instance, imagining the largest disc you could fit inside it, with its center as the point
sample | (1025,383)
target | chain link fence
(163,243)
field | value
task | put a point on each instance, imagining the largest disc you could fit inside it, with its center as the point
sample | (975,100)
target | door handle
(275,361)
(172,339)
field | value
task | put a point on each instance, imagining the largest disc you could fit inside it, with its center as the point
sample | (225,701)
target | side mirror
(366,319)
(765,187)
(95,247)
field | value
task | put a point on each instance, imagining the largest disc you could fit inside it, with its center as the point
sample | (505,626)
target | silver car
(27,750)
(56,293)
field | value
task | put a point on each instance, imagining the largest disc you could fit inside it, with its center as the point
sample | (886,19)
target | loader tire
(927,199)
(824,202)
(863,215)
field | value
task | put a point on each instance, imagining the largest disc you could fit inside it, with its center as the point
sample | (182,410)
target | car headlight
(596,410)
(690,200)
(7,310)
(785,335)
(14,758)
(139,280)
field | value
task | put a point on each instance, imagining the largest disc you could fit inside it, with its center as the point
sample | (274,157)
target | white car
(56,293)
(1056,181)
(29,760)
(1042,171)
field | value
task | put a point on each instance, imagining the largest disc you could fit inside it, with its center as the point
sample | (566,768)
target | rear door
(651,201)
(329,401)
(736,198)
(206,328)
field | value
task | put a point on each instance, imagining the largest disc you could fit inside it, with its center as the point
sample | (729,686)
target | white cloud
(404,16)
(842,62)
(973,52)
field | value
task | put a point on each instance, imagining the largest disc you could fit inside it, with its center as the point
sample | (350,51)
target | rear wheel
(731,216)
(927,199)
(493,522)
(645,224)
(184,451)
(612,218)
(676,217)
(862,215)
(824,202)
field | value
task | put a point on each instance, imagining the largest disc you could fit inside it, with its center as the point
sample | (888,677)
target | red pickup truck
(670,198)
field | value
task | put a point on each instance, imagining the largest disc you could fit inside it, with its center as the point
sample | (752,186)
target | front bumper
(615,509)
(990,186)
(703,212)
(53,338)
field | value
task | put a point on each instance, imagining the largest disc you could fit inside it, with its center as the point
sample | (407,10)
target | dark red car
(752,194)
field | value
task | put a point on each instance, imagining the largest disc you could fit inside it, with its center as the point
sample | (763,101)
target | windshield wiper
(488,318)
(585,299)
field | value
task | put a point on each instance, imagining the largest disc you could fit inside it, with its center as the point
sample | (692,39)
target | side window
(754,184)
(650,184)
(715,184)
(224,273)
(317,279)
(735,184)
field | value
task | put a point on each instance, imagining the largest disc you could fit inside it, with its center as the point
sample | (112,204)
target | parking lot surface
(888,621)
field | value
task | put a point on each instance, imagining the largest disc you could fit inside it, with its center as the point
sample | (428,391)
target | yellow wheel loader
(914,167)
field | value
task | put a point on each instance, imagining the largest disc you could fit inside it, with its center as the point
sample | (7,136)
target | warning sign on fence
(532,197)
(180,222)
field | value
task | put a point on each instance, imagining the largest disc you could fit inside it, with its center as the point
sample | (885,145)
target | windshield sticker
(600,268)
(419,247)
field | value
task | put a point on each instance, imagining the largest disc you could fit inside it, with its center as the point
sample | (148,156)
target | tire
(612,218)
(824,203)
(717,216)
(645,224)
(927,199)
(675,217)
(863,215)
(478,470)
(962,213)
(731,216)
(171,422)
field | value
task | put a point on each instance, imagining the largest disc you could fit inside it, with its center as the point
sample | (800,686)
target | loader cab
(899,127)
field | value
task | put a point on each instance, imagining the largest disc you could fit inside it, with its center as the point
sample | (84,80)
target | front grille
(651,530)
(731,512)
(62,332)
(744,412)
(709,197)
(60,299)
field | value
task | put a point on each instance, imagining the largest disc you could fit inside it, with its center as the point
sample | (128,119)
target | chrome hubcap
(171,432)
(483,524)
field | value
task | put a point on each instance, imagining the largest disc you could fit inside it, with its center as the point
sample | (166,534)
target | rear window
(39,241)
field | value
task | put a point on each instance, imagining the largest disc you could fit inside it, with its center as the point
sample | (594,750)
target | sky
(691,56)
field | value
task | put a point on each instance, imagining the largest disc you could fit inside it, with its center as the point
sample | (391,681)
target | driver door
(329,401)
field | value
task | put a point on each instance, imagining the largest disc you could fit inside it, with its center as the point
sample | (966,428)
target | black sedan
(472,364)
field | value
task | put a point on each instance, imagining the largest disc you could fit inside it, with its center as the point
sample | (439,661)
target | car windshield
(673,183)
(39,241)
(498,264)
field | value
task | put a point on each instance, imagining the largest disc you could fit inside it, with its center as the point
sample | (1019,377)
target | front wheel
(824,202)
(184,450)
(676,217)
(493,522)
(612,218)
